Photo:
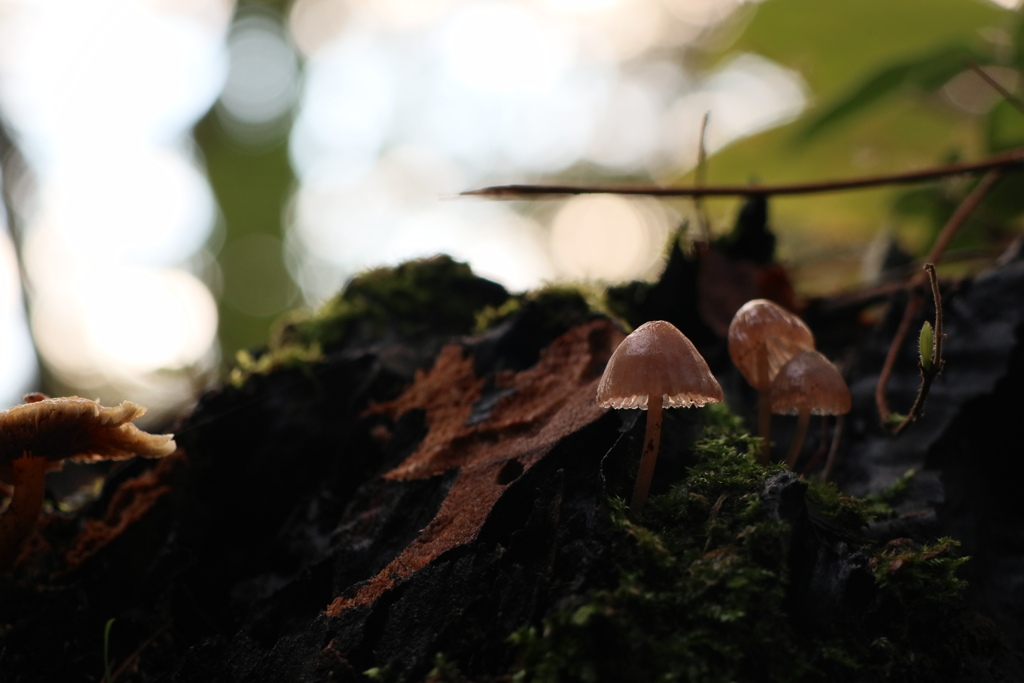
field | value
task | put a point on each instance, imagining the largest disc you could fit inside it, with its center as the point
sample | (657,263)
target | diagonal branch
(955,222)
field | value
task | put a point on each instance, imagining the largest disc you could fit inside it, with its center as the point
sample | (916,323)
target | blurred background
(178,173)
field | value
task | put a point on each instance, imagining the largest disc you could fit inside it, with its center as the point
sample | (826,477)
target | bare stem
(913,305)
(652,438)
(833,450)
(764,405)
(29,475)
(803,421)
(764,426)
(933,279)
(959,217)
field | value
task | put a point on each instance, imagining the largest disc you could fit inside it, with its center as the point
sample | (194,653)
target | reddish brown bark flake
(539,407)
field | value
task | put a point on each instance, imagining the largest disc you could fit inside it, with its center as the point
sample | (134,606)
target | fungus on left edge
(39,435)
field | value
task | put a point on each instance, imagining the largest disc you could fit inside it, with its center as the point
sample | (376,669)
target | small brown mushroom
(654,367)
(39,435)
(808,384)
(763,336)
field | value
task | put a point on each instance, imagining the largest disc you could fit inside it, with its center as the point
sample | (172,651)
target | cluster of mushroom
(774,351)
(657,367)
(39,435)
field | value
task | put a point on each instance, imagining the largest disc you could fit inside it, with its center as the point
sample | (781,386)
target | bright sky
(101,95)
(400,104)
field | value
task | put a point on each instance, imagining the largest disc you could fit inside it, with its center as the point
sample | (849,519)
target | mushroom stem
(799,436)
(764,405)
(29,476)
(652,437)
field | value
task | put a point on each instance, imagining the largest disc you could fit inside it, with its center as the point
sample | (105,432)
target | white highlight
(607,237)
(127,322)
(101,94)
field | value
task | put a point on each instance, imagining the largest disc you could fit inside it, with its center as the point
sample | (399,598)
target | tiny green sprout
(927,346)
(895,419)
(107,678)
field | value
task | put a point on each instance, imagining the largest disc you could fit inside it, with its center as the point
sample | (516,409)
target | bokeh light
(150,206)
(256,101)
(388,109)
(608,237)
(314,23)
(128,322)
(503,47)
(18,364)
(502,90)
(99,97)
(746,95)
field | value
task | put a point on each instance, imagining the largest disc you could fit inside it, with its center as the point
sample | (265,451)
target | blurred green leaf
(1017,40)
(837,47)
(930,203)
(1004,127)
(919,74)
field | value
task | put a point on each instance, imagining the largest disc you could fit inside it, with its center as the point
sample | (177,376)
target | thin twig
(699,176)
(1006,161)
(959,217)
(955,222)
(937,359)
(913,305)
(996,85)
(934,368)
(130,660)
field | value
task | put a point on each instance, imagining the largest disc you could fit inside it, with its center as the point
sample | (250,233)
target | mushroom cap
(809,381)
(761,323)
(657,360)
(77,429)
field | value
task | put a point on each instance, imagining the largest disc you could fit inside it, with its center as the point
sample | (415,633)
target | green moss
(559,302)
(290,357)
(846,511)
(439,295)
(444,671)
(849,511)
(704,593)
(384,674)
(921,577)
(490,316)
(895,491)
(701,591)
